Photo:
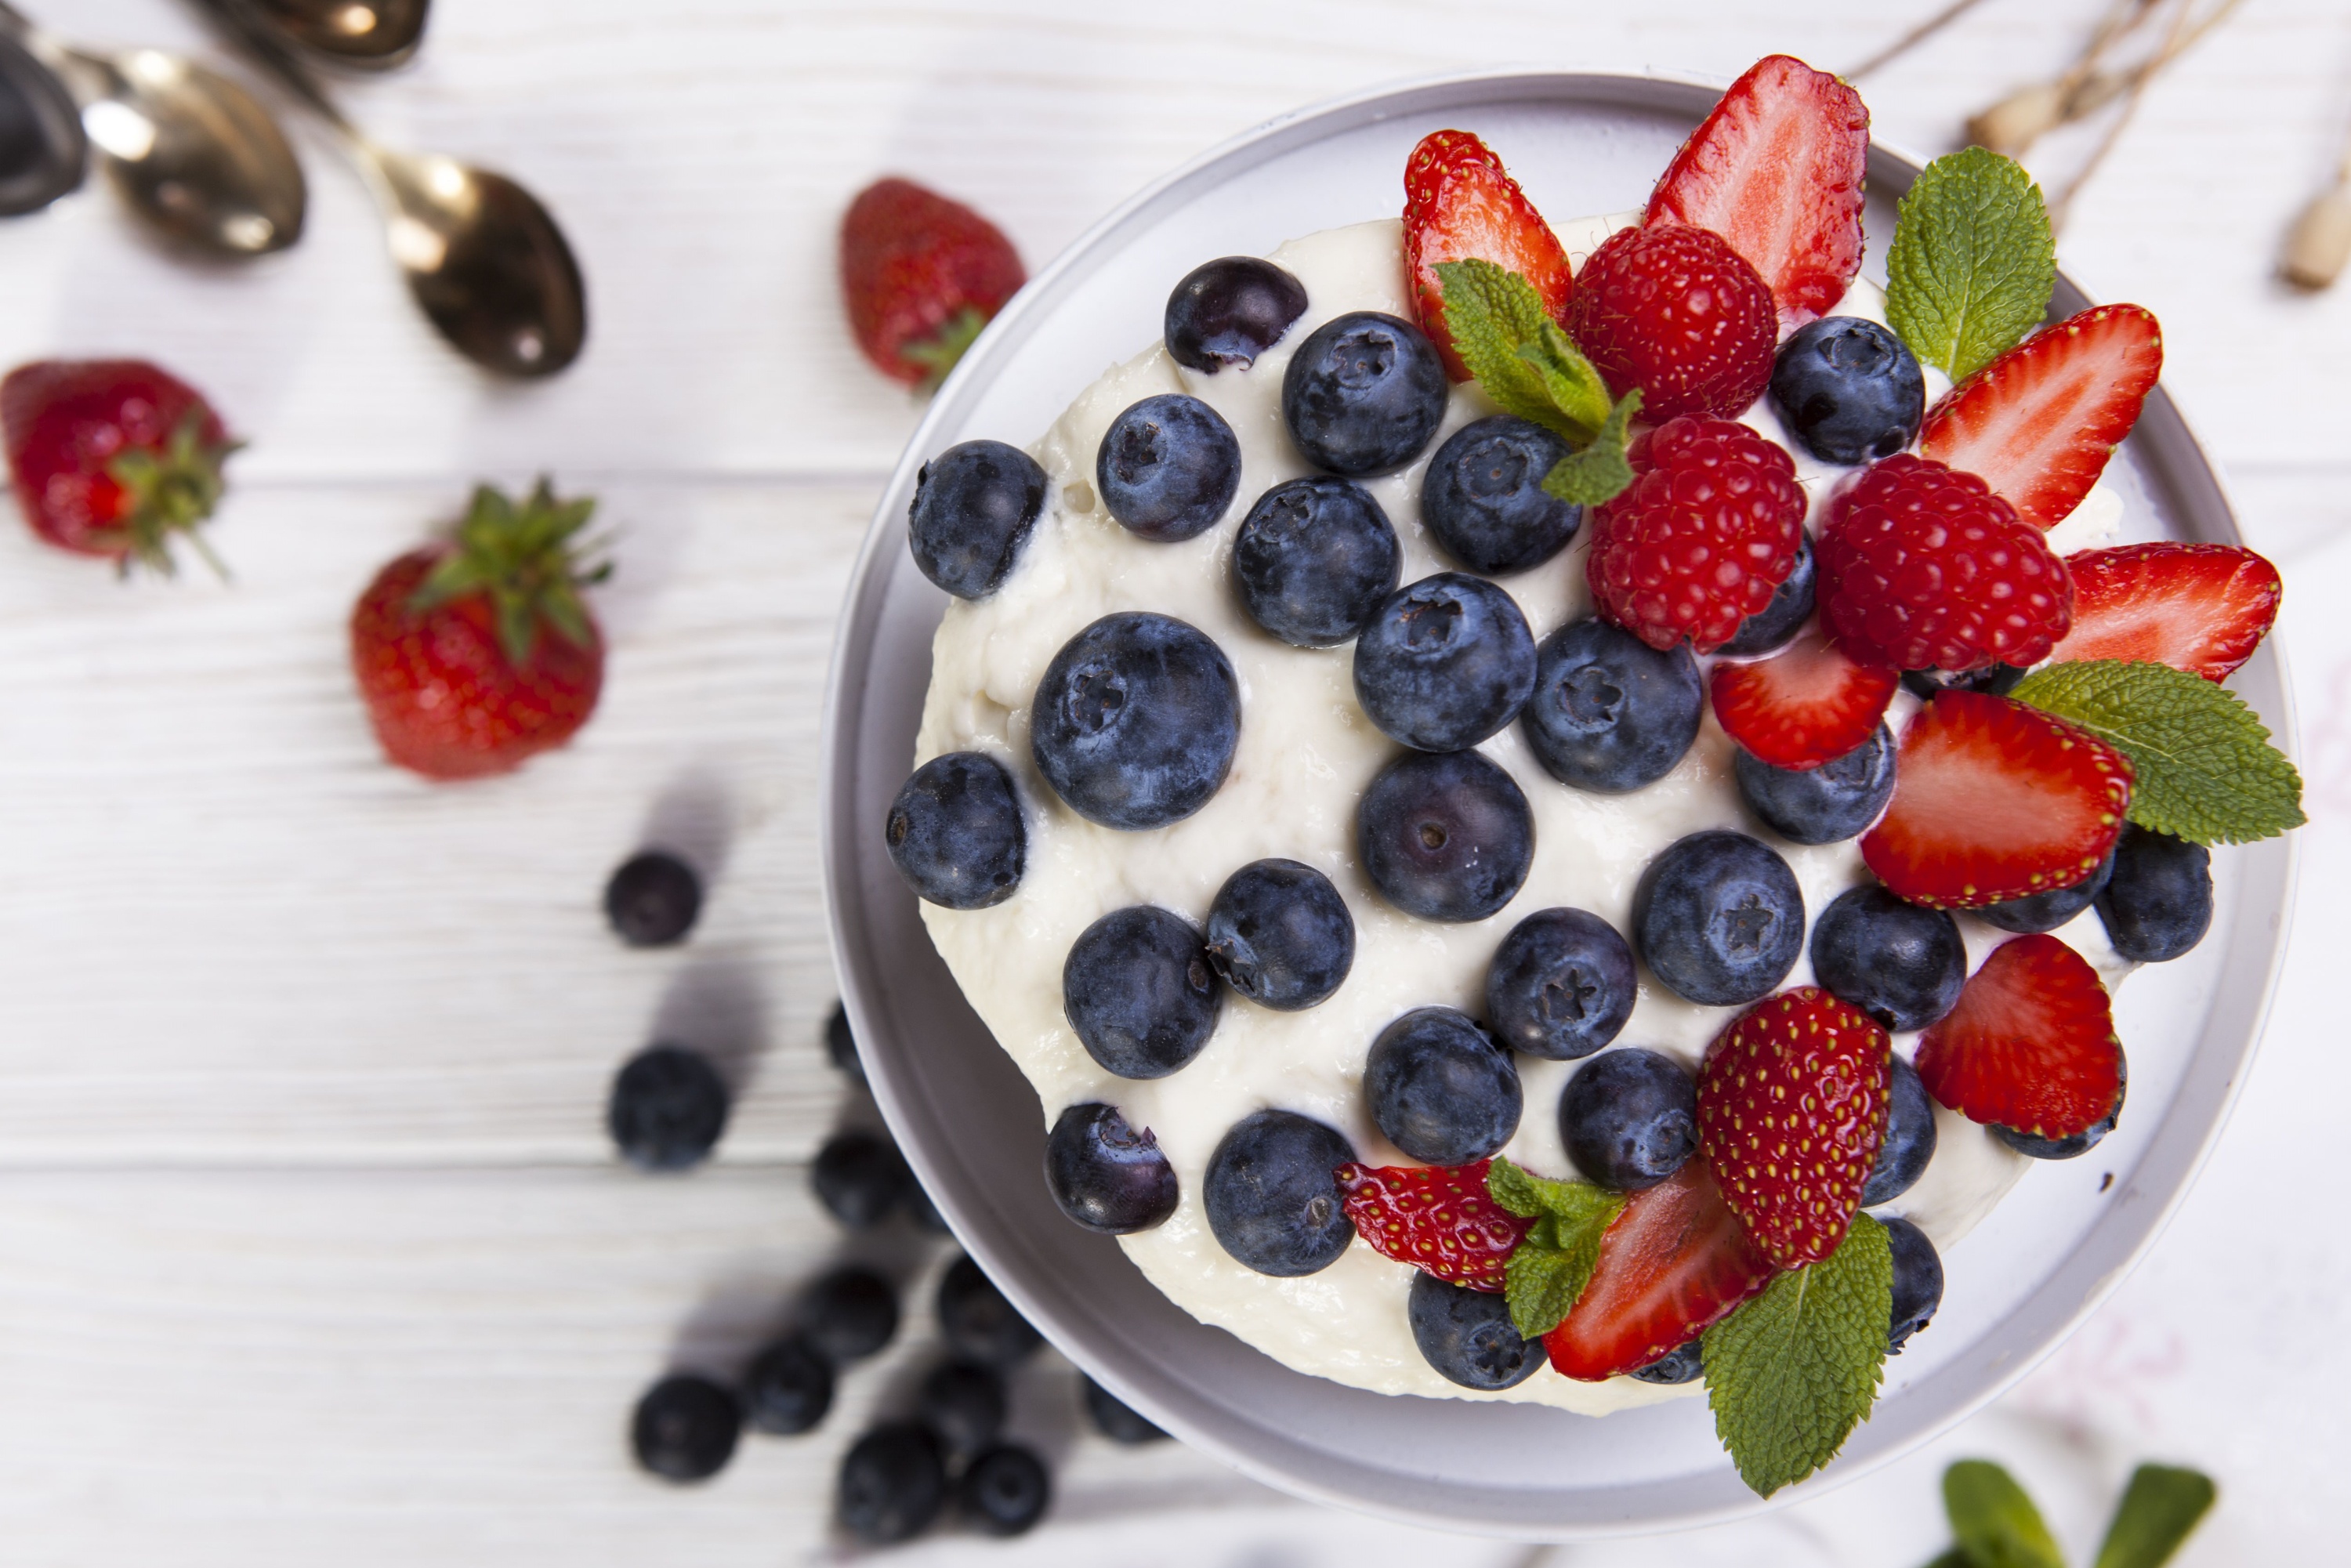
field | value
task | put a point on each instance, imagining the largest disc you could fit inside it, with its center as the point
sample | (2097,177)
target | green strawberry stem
(528,558)
(170,492)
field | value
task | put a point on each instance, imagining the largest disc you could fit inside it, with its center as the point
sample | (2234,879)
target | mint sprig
(1974,263)
(2161,1509)
(2203,766)
(1549,1269)
(1993,1521)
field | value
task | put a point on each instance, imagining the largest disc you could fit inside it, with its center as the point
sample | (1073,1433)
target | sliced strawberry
(1458,203)
(1992,801)
(2039,423)
(2199,608)
(1438,1218)
(1672,1262)
(1776,170)
(1808,704)
(2031,1045)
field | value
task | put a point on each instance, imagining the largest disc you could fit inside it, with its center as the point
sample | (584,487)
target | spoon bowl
(190,152)
(485,262)
(369,34)
(44,150)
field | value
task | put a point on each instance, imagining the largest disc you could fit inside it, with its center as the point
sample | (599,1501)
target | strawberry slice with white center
(2031,1045)
(2198,608)
(1994,800)
(1810,703)
(2038,423)
(1460,203)
(1776,170)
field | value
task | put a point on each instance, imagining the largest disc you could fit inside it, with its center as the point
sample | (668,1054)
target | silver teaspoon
(369,35)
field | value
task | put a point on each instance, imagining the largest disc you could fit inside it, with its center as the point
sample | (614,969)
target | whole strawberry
(1676,312)
(478,652)
(1438,1218)
(112,458)
(921,275)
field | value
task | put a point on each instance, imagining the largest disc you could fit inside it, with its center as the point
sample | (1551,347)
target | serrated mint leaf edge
(1600,472)
(1996,307)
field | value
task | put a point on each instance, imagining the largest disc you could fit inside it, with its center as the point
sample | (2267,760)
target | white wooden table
(311,1247)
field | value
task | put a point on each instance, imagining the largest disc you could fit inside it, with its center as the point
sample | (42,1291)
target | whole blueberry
(1445,663)
(652,899)
(978,1324)
(2157,904)
(788,1388)
(667,1109)
(1629,1118)
(1918,1282)
(2073,1145)
(1824,804)
(1314,559)
(1446,835)
(893,1484)
(1775,625)
(1363,394)
(1115,1418)
(1104,1175)
(2047,911)
(1272,1200)
(1900,964)
(1230,311)
(848,1315)
(685,1429)
(1280,935)
(1686,1363)
(860,1178)
(1138,990)
(1136,722)
(974,505)
(1484,501)
(963,1406)
(1467,1336)
(1440,1088)
(1610,714)
(1719,918)
(1997,680)
(955,833)
(840,1043)
(1909,1142)
(1005,1490)
(1848,390)
(925,1213)
(1167,468)
(1560,986)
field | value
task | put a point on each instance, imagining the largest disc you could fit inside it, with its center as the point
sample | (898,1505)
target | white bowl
(973,1128)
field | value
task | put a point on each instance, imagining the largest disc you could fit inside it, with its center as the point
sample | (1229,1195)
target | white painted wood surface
(310,1245)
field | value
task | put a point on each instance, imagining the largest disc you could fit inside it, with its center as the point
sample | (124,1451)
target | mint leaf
(2204,767)
(1568,379)
(1532,368)
(1791,1373)
(1995,1522)
(1972,264)
(2160,1509)
(1596,473)
(1549,1269)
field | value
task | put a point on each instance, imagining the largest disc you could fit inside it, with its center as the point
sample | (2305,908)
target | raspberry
(1708,531)
(1923,568)
(1676,312)
(1438,1218)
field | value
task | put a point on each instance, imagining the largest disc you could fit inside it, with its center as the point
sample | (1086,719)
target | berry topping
(1821,805)
(921,275)
(1900,964)
(974,506)
(2073,1146)
(1272,1194)
(1998,679)
(1629,1119)
(1280,935)
(1678,314)
(1467,1337)
(1441,1089)
(1136,720)
(1115,1418)
(893,1484)
(1106,1176)
(1445,663)
(978,1324)
(1909,1137)
(1849,390)
(787,1389)
(1440,1220)
(1483,496)
(1005,1491)
(1459,202)
(112,457)
(848,1315)
(2031,1046)
(667,1109)
(2048,910)
(861,1178)
(1167,468)
(685,1428)
(1684,1363)
(955,833)
(1230,311)
(652,899)
(1560,986)
(1797,709)
(1775,625)
(2158,903)
(963,1406)
(1610,714)
(1719,918)
(1314,559)
(1446,835)
(1138,990)
(2199,608)
(1363,394)
(1918,1281)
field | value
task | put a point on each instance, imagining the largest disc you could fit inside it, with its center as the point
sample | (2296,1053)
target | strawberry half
(1994,800)
(1674,1261)
(2031,1045)
(2039,423)
(1808,704)
(1438,1218)
(2198,608)
(1776,170)
(1458,203)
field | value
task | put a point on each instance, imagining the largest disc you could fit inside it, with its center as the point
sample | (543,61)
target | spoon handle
(263,45)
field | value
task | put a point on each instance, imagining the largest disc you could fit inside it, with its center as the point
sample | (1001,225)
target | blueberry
(1918,1282)
(840,1043)
(1467,1336)
(2047,911)
(1998,679)
(1446,835)
(1136,722)
(1848,390)
(1168,467)
(974,505)
(955,833)
(1609,713)
(925,1213)
(893,1484)
(1560,986)
(685,1429)
(861,1178)
(1115,1418)
(1138,988)
(1104,1175)
(1230,311)
(1441,1089)
(978,1324)
(963,1406)
(1005,1490)
(848,1315)
(667,1109)
(1822,805)
(1363,394)
(2073,1145)
(652,899)
(2158,903)
(1909,1137)
(1445,663)
(1775,625)
(1280,935)
(1719,918)
(788,1388)
(1484,501)
(1314,559)
(1900,964)
(1629,1119)
(1686,1363)
(1273,1203)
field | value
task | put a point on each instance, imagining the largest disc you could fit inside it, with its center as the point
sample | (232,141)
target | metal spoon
(371,35)
(42,151)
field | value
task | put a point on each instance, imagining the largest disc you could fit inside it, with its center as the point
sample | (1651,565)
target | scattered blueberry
(1445,663)
(1467,1336)
(1167,468)
(1900,964)
(788,1388)
(2047,911)
(955,833)
(1230,311)
(925,1213)
(1610,714)
(1280,935)
(1560,986)
(1106,1175)
(974,505)
(963,1406)
(1909,1137)
(1719,918)
(2158,903)
(1824,804)
(893,1484)
(1440,1088)
(1686,1363)
(667,1109)
(1629,1119)
(848,1315)
(685,1429)
(652,899)
(1998,679)
(1446,835)
(1138,990)
(1005,1490)
(978,1324)
(1918,1282)
(1273,1203)
(1136,722)
(1115,1418)
(860,1178)
(840,1043)
(1363,394)
(1775,625)
(1849,390)
(2075,1146)
(1484,501)
(1314,559)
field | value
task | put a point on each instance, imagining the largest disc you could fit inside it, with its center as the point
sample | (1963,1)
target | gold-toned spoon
(369,35)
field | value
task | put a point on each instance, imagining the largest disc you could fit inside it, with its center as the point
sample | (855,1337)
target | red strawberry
(1674,1261)
(1776,170)
(112,458)
(2199,608)
(2031,1045)
(1678,313)
(1438,1218)
(1807,704)
(1922,567)
(479,652)
(1994,800)
(1458,203)
(921,275)
(1706,533)
(2040,422)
